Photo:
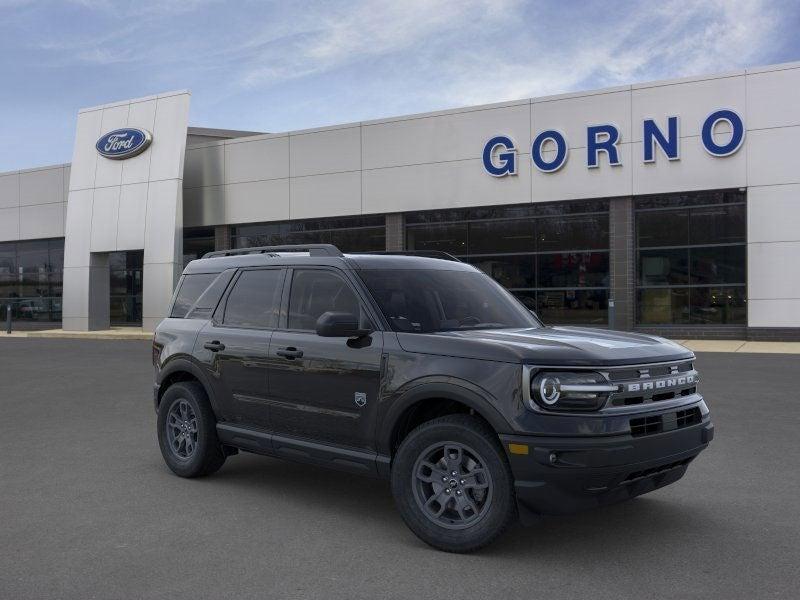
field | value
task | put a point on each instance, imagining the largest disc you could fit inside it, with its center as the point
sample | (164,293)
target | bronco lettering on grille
(660,384)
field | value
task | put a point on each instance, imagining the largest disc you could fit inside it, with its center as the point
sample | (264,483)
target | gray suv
(422,370)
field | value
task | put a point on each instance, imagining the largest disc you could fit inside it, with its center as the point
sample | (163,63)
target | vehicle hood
(569,346)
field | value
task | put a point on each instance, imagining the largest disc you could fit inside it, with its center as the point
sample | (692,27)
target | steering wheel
(469,321)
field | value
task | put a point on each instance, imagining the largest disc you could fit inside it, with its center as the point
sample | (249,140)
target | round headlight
(570,390)
(549,390)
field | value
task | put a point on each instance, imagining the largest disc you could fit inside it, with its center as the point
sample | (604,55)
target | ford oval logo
(123,143)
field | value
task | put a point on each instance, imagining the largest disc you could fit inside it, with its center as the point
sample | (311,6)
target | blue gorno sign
(500,152)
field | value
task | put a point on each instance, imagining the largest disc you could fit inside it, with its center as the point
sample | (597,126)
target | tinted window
(316,291)
(447,238)
(718,225)
(663,228)
(573,269)
(189,292)
(430,301)
(494,237)
(254,299)
(702,247)
(509,271)
(589,231)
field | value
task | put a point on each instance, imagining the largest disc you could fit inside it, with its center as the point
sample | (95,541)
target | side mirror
(339,324)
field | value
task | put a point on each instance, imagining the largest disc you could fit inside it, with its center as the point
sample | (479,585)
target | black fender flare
(186,365)
(450,389)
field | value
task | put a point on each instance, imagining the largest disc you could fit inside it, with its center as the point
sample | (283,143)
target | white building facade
(671,206)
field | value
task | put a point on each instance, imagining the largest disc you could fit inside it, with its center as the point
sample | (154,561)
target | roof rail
(424,253)
(312,249)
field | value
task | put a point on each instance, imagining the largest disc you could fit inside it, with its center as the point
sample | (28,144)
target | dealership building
(669,207)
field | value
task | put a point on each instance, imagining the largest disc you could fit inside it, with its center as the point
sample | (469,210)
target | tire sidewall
(468,431)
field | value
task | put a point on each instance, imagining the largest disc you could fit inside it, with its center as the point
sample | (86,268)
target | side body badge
(360,399)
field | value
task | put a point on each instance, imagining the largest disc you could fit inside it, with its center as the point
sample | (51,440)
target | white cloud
(672,40)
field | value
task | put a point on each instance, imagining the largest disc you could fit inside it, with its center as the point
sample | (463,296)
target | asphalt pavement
(88,509)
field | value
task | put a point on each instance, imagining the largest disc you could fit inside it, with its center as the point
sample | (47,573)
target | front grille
(637,475)
(644,384)
(646,425)
(666,422)
(690,416)
(628,373)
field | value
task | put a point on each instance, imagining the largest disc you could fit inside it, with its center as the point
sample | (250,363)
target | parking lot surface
(88,509)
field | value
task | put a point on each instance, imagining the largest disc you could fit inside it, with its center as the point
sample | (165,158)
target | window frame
(535,215)
(689,207)
(366,301)
(218,318)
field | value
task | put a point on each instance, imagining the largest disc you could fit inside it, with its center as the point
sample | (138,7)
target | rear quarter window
(192,286)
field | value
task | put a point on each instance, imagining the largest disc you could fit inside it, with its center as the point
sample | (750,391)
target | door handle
(214,346)
(290,353)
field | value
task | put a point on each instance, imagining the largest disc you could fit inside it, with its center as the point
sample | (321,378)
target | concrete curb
(120,333)
(130,333)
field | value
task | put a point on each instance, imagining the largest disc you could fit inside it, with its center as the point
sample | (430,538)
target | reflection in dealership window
(31,275)
(553,257)
(349,234)
(691,259)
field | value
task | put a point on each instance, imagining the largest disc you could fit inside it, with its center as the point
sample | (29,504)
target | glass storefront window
(503,236)
(197,242)
(349,234)
(692,259)
(126,287)
(450,238)
(553,257)
(31,279)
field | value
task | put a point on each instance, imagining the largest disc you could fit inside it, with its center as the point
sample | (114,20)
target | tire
(475,506)
(199,453)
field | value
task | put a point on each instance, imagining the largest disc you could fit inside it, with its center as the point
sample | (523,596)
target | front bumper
(561,475)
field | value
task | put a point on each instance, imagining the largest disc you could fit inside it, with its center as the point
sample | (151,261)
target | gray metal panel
(169,138)
(41,221)
(9,190)
(105,215)
(9,224)
(45,186)
(161,232)
(109,172)
(329,195)
(204,166)
(84,156)
(132,211)
(143,116)
(327,151)
(257,160)
(257,201)
(203,206)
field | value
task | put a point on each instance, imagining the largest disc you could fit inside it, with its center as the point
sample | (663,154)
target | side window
(315,291)
(254,299)
(190,290)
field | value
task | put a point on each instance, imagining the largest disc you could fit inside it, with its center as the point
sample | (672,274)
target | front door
(234,345)
(324,389)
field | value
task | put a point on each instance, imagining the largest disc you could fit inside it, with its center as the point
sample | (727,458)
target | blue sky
(276,66)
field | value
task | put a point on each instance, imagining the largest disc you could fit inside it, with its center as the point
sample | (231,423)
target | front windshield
(427,301)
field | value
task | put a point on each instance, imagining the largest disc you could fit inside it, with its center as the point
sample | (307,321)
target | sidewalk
(741,346)
(136,333)
(115,333)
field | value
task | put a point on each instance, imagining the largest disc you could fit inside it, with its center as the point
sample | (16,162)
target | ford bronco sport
(426,372)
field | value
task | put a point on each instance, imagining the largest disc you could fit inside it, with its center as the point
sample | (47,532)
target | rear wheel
(187,433)
(452,484)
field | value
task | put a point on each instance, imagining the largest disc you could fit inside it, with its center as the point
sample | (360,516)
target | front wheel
(453,485)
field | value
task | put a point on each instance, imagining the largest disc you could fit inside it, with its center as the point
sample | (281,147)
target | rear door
(324,389)
(233,346)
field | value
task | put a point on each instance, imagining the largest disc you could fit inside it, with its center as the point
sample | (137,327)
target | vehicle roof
(347,261)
